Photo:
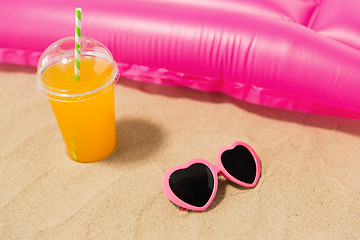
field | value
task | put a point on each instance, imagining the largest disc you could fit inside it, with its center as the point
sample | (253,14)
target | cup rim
(75,97)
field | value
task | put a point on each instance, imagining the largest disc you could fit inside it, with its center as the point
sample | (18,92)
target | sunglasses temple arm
(182,209)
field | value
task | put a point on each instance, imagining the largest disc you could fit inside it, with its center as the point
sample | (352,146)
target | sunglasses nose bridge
(216,169)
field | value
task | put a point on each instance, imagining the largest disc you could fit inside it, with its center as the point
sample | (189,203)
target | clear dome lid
(55,70)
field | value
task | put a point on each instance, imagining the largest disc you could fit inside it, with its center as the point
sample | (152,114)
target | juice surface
(88,125)
(94,72)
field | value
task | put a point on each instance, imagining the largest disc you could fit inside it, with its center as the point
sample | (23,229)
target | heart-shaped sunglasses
(193,186)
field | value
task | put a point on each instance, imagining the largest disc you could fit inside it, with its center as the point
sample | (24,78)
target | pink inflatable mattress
(301,55)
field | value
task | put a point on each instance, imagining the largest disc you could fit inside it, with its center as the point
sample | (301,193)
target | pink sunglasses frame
(216,171)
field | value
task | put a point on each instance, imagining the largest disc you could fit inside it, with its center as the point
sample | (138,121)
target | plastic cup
(84,108)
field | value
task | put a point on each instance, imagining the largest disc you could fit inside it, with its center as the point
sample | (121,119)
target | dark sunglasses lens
(193,185)
(240,163)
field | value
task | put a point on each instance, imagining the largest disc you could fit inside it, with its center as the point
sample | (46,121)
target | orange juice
(87,122)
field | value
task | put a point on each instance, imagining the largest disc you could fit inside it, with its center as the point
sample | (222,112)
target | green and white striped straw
(77,42)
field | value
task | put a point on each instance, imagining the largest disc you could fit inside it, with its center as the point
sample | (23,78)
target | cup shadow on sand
(137,139)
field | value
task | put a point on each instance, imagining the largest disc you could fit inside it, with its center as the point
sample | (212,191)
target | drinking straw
(77,42)
(77,58)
